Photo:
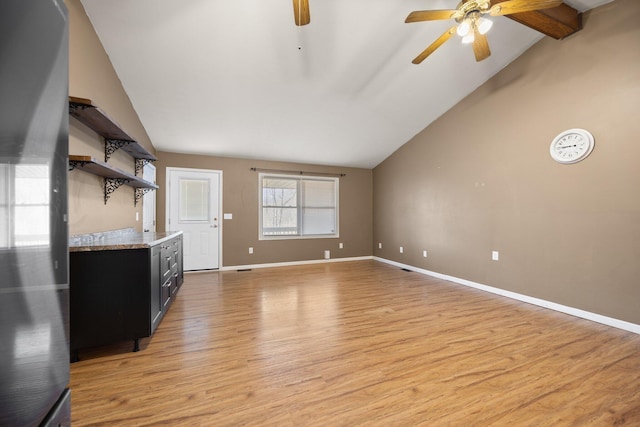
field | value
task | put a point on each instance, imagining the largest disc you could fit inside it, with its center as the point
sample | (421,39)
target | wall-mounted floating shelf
(113,177)
(114,137)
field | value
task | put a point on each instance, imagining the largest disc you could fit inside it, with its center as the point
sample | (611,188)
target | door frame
(167,204)
(150,197)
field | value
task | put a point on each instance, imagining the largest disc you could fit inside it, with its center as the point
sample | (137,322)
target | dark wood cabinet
(122,294)
(166,277)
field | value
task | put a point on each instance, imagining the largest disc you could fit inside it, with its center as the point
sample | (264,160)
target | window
(194,200)
(24,205)
(298,207)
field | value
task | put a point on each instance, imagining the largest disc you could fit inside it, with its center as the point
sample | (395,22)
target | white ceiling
(237,78)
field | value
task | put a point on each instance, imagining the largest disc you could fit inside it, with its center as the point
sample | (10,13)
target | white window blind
(295,207)
(24,205)
(194,200)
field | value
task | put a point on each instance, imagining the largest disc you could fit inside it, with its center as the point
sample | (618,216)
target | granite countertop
(126,238)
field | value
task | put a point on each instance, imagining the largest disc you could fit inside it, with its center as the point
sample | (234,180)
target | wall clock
(571,146)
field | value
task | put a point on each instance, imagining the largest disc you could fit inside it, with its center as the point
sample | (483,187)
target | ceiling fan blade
(430,15)
(436,44)
(301,12)
(516,6)
(480,46)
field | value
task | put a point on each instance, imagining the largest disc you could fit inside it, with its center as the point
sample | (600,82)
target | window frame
(299,206)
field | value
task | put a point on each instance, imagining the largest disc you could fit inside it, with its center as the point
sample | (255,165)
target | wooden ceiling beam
(558,22)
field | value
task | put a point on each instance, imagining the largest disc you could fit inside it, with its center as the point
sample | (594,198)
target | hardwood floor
(359,343)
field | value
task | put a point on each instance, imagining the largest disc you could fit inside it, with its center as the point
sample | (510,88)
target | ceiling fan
(301,12)
(471,25)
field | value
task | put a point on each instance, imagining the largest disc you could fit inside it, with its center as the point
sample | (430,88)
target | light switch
(228,216)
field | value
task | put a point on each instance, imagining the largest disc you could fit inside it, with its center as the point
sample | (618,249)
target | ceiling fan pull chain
(300,25)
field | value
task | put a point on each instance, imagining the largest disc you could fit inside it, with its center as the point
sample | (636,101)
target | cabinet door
(156,287)
(179,261)
(166,293)
(96,300)
(173,248)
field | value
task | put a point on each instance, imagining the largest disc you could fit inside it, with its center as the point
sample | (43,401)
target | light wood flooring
(359,343)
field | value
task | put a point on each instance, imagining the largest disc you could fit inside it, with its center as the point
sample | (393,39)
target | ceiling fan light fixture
(484,25)
(463,28)
(469,38)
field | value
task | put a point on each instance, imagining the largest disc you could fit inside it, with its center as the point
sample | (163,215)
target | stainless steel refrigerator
(34,291)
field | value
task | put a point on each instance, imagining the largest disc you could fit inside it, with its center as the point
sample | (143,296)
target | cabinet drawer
(166,267)
(166,291)
(169,257)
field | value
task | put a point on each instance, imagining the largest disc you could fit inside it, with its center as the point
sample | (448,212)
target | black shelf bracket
(74,107)
(139,193)
(111,185)
(112,145)
(75,164)
(141,163)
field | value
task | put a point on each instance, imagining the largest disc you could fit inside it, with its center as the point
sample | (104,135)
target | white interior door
(149,200)
(194,208)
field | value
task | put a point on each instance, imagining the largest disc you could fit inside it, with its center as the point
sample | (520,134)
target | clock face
(571,146)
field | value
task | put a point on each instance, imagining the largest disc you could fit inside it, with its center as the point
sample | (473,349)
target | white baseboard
(616,323)
(291,263)
(609,321)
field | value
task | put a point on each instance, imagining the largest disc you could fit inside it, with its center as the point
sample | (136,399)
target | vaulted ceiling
(238,78)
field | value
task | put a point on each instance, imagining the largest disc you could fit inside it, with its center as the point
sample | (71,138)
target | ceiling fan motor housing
(468,8)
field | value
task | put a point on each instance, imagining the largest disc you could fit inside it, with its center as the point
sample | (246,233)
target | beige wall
(480,178)
(92,76)
(240,198)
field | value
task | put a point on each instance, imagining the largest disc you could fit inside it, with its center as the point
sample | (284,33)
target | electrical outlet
(250,250)
(401,249)
(424,254)
(495,255)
